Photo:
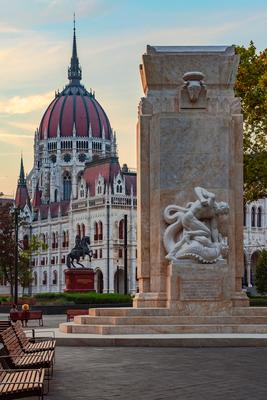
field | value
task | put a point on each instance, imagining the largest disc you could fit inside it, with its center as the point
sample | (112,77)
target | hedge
(86,298)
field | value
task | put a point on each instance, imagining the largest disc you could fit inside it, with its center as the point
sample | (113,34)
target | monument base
(195,289)
(79,280)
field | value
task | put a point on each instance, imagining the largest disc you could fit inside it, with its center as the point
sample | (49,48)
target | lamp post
(117,276)
(125,256)
(16,216)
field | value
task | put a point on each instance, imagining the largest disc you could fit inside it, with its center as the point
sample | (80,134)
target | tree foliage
(7,250)
(261,273)
(251,87)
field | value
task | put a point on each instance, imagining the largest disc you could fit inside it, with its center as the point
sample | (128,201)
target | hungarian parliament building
(78,187)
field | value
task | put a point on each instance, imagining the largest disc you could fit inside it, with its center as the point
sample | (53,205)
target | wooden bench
(27,316)
(4,324)
(72,313)
(28,346)
(15,384)
(15,357)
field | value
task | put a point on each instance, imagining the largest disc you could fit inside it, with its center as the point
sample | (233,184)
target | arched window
(64,239)
(55,195)
(253,216)
(44,278)
(54,281)
(121,229)
(95,231)
(259,217)
(25,242)
(83,230)
(245,216)
(53,240)
(78,230)
(119,186)
(100,230)
(66,186)
(67,239)
(82,191)
(35,278)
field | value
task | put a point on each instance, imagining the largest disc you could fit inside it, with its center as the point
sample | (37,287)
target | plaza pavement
(156,373)
(159,374)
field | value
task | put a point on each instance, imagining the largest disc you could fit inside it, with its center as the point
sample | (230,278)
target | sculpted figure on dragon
(193,230)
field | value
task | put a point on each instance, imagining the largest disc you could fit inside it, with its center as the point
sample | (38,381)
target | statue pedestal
(79,280)
(200,289)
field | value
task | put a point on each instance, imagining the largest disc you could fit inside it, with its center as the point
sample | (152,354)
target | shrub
(86,298)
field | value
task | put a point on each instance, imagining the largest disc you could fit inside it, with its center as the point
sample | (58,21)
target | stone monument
(190,199)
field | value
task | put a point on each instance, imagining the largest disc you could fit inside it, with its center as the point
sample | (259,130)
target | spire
(74,71)
(21,180)
(22,196)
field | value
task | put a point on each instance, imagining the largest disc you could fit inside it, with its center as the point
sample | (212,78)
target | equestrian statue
(81,249)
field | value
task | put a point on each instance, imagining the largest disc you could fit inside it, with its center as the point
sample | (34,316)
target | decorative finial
(74,71)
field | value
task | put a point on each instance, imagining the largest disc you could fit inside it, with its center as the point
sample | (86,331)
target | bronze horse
(80,249)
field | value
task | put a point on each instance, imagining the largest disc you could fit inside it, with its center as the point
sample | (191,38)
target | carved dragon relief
(193,230)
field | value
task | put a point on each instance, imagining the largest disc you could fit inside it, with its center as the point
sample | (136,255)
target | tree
(261,273)
(7,249)
(251,86)
(27,249)
(7,245)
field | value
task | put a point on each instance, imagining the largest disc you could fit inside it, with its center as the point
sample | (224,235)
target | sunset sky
(35,50)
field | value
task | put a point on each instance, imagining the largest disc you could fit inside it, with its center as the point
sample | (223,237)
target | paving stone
(159,373)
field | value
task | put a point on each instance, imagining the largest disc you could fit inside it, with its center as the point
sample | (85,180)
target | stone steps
(124,311)
(249,311)
(162,329)
(168,320)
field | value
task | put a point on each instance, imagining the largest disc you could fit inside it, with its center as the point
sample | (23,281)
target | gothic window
(95,231)
(25,242)
(67,239)
(119,186)
(78,230)
(100,253)
(83,230)
(44,278)
(100,230)
(35,278)
(100,186)
(245,216)
(121,229)
(55,195)
(64,239)
(253,216)
(259,217)
(66,186)
(54,281)
(53,240)
(82,191)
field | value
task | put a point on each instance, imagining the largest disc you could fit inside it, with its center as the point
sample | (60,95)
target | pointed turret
(74,71)
(22,195)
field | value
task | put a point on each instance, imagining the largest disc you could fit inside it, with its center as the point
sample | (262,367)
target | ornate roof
(74,111)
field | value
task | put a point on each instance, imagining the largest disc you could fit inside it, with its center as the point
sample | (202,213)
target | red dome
(74,105)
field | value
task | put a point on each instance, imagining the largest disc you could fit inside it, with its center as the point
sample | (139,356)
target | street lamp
(118,281)
(16,216)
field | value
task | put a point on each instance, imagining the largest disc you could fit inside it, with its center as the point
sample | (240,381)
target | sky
(112,35)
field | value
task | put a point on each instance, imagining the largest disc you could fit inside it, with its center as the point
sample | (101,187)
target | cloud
(7,28)
(23,105)
(25,126)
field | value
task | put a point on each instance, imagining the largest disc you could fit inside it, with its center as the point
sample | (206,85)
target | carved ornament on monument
(193,231)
